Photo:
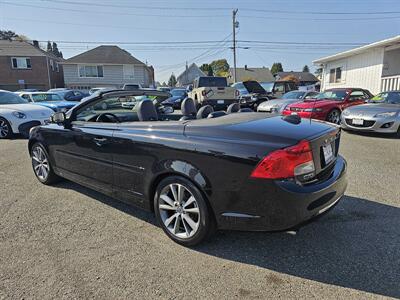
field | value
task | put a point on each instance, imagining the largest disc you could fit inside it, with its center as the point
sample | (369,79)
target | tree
(306,69)
(55,50)
(49,48)
(220,67)
(163,84)
(172,80)
(8,35)
(206,68)
(276,67)
(61,55)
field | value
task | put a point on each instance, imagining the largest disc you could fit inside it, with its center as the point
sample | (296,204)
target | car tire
(183,211)
(41,165)
(5,129)
(333,116)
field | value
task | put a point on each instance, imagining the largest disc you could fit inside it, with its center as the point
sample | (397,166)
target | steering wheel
(104,117)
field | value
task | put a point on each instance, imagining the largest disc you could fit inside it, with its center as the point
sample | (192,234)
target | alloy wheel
(40,163)
(4,129)
(179,211)
(334,117)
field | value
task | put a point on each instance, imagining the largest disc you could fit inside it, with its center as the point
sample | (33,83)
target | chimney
(35,43)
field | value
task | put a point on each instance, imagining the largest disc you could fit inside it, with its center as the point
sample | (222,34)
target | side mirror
(58,118)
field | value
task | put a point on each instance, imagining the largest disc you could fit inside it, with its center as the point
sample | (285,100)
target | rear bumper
(217,104)
(280,205)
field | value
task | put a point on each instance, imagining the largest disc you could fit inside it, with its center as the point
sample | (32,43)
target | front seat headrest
(147,111)
(188,108)
(234,107)
(204,112)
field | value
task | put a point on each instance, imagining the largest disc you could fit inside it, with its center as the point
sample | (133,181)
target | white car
(18,116)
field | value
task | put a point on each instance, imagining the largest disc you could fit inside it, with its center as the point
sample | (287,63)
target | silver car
(278,105)
(380,114)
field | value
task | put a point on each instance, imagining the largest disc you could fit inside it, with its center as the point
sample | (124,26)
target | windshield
(268,86)
(388,97)
(213,82)
(45,97)
(338,95)
(178,92)
(293,95)
(11,98)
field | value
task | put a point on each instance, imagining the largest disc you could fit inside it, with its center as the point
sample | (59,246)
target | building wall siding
(36,77)
(362,70)
(113,76)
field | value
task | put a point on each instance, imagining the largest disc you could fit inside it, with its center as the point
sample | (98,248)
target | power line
(225,9)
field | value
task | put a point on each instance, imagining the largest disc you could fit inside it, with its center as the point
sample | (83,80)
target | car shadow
(356,245)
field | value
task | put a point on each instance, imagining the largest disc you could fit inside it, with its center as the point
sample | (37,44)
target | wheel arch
(182,169)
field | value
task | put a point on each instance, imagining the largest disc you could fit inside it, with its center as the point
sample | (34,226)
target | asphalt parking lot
(67,241)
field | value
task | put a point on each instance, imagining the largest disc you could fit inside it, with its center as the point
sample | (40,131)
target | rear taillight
(286,163)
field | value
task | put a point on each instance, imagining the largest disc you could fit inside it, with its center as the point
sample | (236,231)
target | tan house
(25,66)
(106,66)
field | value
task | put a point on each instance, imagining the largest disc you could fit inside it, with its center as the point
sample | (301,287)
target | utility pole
(235,25)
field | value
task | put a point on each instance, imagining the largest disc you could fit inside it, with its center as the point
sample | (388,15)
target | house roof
(248,73)
(384,43)
(301,76)
(192,66)
(22,48)
(105,55)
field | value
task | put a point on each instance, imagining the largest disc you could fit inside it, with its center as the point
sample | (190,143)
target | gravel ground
(67,241)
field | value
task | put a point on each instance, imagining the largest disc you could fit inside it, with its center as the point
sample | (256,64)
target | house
(105,66)
(24,65)
(302,78)
(190,74)
(375,67)
(258,74)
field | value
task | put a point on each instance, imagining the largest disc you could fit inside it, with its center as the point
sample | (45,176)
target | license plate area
(220,101)
(328,153)
(358,122)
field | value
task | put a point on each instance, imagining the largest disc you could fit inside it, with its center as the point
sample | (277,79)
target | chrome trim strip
(238,215)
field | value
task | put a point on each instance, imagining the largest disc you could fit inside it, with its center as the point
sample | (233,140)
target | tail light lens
(286,163)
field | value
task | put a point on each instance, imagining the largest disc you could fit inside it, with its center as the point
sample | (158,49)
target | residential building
(302,78)
(24,65)
(106,66)
(375,67)
(191,73)
(244,74)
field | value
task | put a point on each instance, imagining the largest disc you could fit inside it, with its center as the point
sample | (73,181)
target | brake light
(286,163)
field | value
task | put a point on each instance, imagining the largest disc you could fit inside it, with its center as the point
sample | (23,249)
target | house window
(21,63)
(90,71)
(335,75)
(52,64)
(129,71)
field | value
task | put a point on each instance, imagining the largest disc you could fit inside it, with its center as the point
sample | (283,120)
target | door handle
(100,141)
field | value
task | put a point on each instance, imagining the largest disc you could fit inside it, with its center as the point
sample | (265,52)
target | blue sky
(324,22)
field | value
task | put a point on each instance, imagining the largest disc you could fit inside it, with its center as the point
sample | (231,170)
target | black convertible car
(198,171)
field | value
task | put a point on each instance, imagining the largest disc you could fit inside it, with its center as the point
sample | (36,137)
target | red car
(328,106)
